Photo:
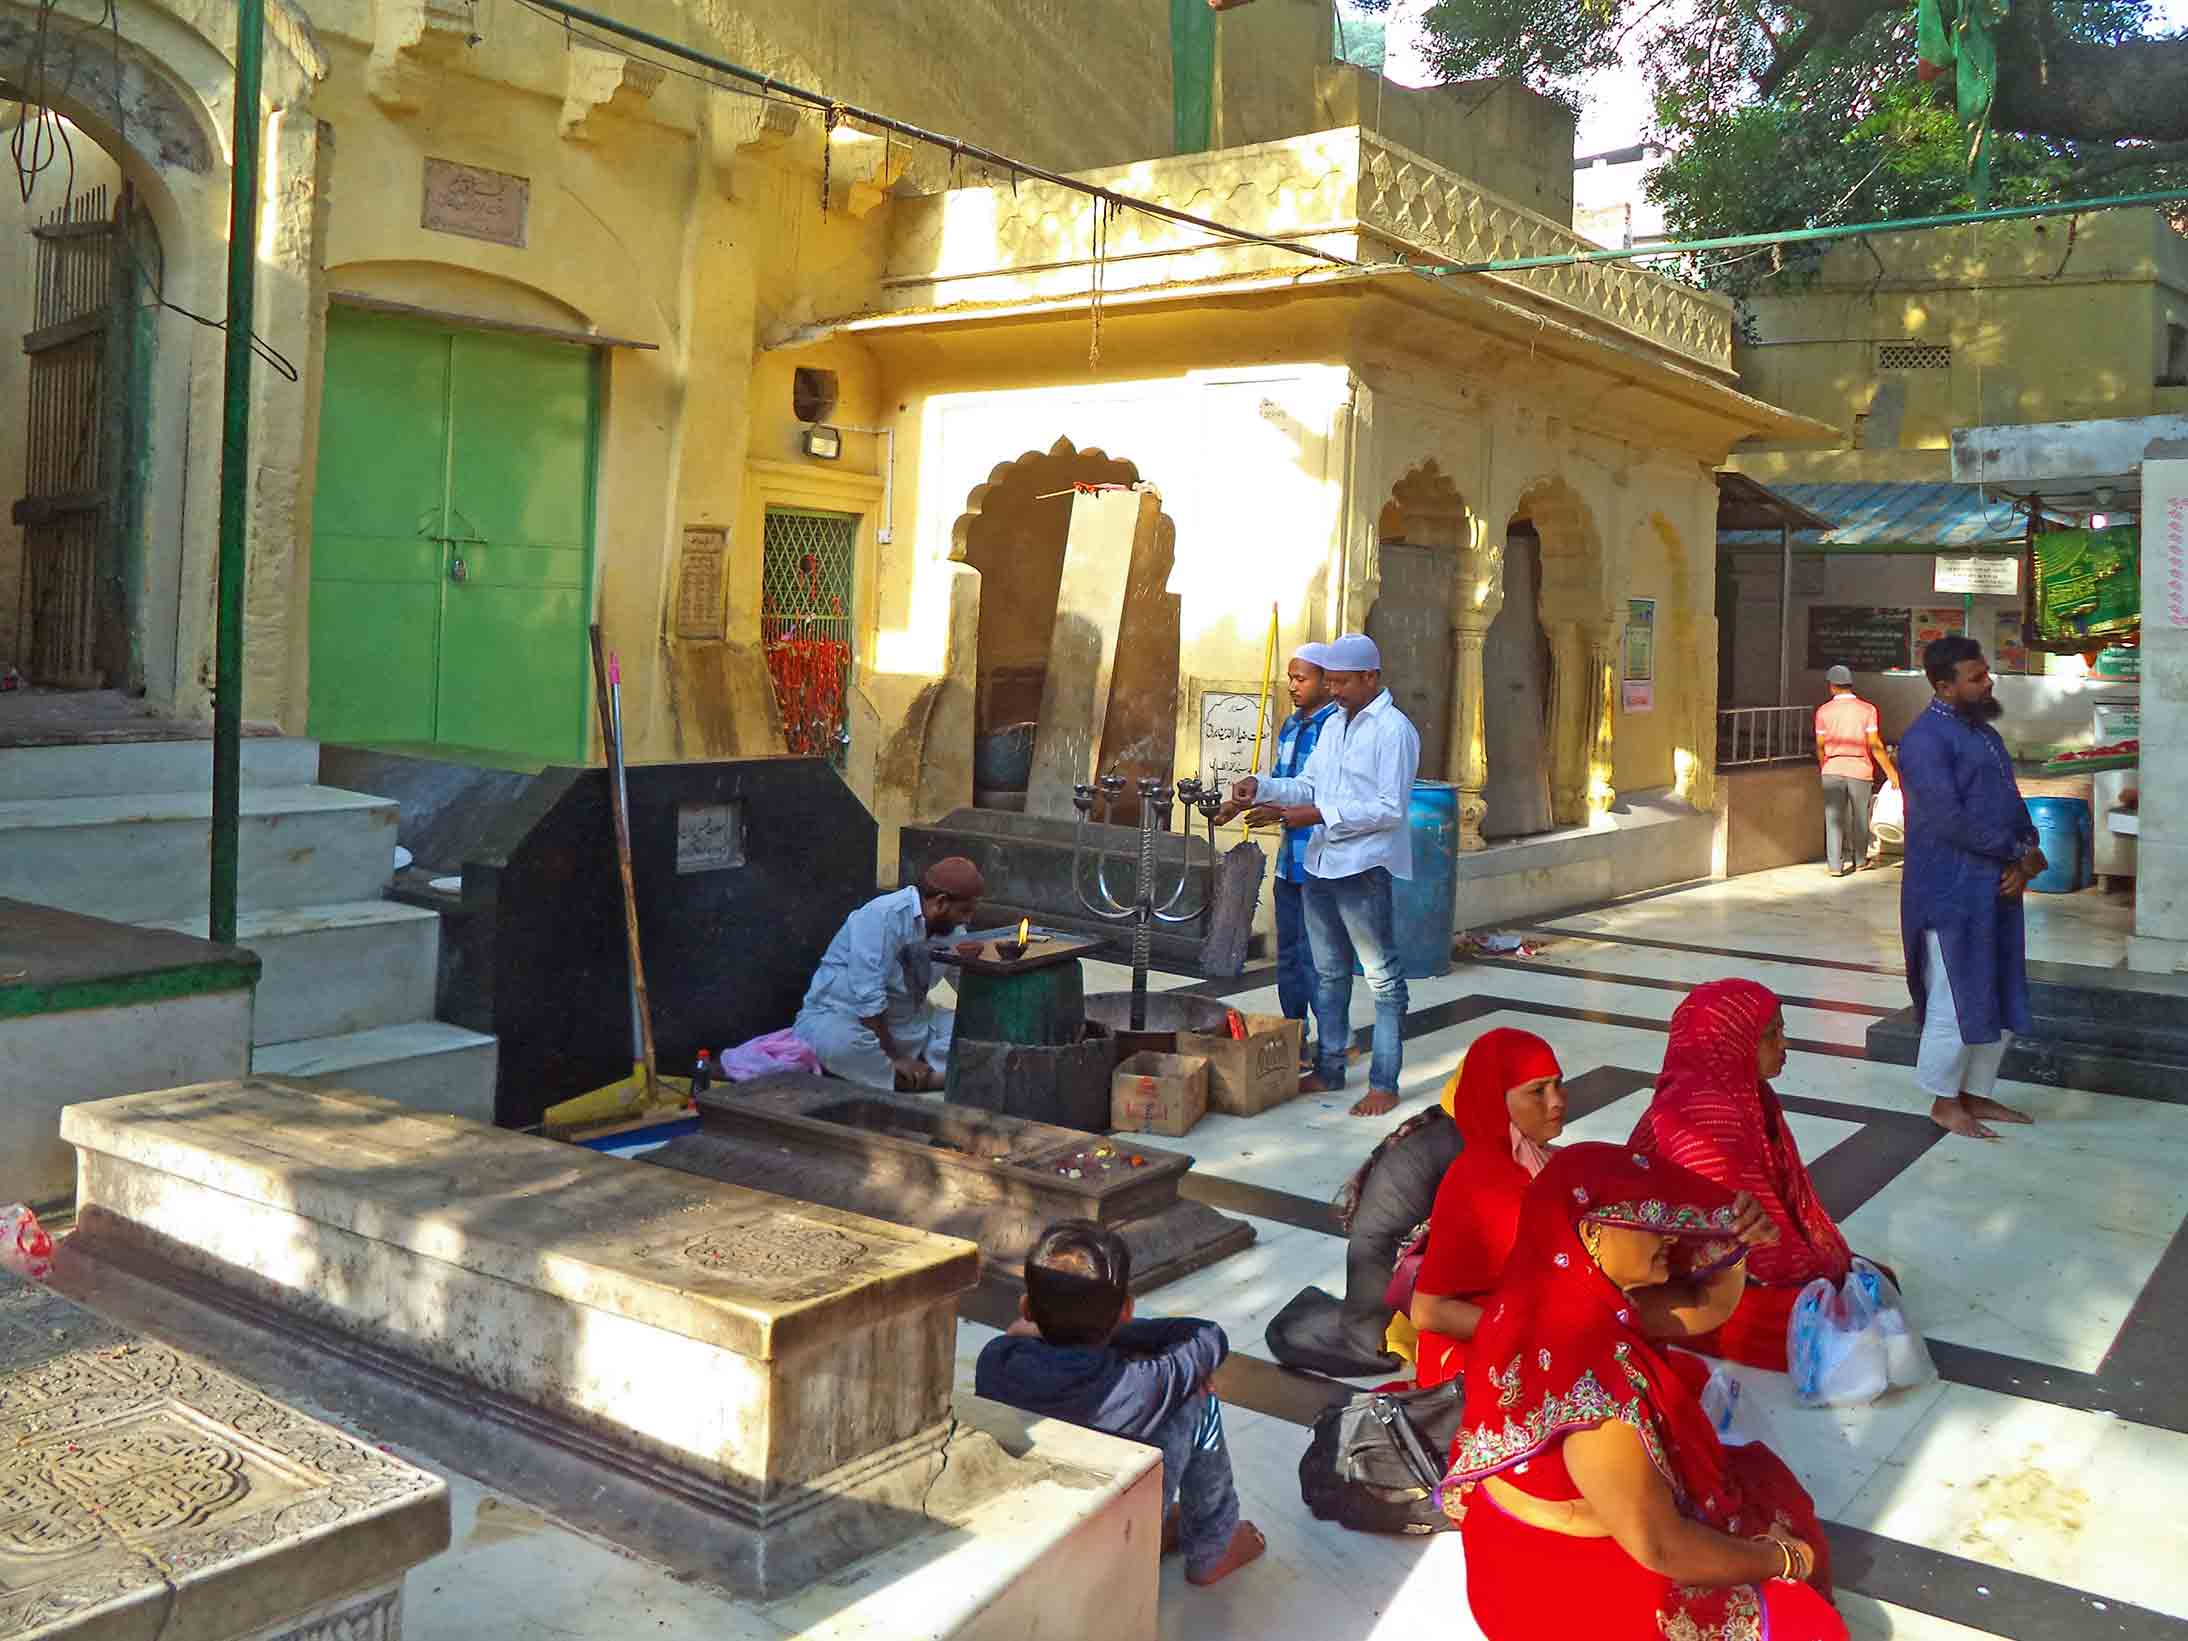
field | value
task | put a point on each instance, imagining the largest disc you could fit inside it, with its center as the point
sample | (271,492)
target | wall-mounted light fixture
(823,443)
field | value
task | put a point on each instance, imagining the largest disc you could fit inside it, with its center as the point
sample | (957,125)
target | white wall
(2043,712)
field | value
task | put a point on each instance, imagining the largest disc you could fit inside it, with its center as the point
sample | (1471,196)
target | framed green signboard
(2088,584)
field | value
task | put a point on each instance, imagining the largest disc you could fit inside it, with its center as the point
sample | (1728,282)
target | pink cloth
(1843,727)
(781,1050)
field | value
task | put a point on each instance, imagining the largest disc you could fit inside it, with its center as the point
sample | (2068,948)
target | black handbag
(1373,1462)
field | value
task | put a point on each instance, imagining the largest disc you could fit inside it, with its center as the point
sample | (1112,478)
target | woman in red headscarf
(1508,1099)
(1714,1113)
(1596,1498)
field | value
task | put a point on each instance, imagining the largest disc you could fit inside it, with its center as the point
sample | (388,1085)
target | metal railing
(1763,735)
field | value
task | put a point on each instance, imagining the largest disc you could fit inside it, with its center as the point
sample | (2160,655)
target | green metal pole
(235,471)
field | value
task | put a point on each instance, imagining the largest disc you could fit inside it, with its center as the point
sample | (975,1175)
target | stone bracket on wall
(598,80)
(411,40)
(737,125)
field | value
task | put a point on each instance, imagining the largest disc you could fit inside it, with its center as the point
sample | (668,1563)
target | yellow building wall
(2044,321)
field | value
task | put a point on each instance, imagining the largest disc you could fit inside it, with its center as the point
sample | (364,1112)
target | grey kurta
(878,963)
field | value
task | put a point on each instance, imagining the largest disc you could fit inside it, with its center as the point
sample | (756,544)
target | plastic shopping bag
(1733,1418)
(1906,1358)
(764,1056)
(25,1248)
(1834,1346)
(1888,815)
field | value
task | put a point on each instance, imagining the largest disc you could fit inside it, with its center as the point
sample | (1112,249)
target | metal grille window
(806,579)
(1914,356)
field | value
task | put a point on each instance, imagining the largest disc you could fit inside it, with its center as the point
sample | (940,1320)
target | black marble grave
(2108,1031)
(744,871)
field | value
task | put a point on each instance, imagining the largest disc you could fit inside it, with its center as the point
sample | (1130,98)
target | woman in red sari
(1509,1103)
(1596,1498)
(1714,1113)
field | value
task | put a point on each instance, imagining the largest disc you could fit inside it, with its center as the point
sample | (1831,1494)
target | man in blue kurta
(1971,852)
(1312,707)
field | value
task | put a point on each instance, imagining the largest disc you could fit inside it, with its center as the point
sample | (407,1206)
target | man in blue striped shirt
(1312,705)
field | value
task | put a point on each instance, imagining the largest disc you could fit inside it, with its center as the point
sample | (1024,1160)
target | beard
(1988,710)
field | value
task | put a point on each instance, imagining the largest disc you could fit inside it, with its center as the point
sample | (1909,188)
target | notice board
(1865,637)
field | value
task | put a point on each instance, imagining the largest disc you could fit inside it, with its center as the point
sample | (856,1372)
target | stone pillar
(1570,735)
(1600,639)
(1469,761)
(2160,942)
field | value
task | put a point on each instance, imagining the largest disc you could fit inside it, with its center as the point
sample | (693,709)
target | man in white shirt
(866,1013)
(1352,798)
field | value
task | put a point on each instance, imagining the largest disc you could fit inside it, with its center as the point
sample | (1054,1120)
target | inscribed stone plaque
(476,203)
(709,836)
(120,1456)
(699,582)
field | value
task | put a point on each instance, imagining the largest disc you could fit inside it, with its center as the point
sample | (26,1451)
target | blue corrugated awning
(1926,516)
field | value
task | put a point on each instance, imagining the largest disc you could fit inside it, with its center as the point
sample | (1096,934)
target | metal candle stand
(1156,804)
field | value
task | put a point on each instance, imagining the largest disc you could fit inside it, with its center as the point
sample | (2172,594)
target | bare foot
(1982,1106)
(1246,1545)
(1312,1083)
(1374,1103)
(1956,1118)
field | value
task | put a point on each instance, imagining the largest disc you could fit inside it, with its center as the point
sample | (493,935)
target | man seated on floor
(1076,1354)
(866,1014)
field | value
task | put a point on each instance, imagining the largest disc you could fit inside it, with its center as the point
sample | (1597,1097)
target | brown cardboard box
(1246,1078)
(1158,1094)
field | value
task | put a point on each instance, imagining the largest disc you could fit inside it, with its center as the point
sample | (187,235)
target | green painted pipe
(235,470)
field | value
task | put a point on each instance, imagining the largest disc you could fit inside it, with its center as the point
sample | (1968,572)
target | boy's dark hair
(1078,1276)
(1941,659)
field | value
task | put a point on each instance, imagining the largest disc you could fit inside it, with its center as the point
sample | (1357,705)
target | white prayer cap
(1354,652)
(1314,654)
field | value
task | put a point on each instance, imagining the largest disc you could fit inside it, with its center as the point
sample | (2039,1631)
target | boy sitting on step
(1076,1354)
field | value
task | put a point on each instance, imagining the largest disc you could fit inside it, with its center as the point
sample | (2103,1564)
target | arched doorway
(1576,621)
(1420,532)
(1013,533)
(1516,696)
(80,271)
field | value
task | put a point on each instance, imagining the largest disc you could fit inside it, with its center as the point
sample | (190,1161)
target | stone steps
(334,969)
(427,1065)
(122,831)
(116,770)
(145,857)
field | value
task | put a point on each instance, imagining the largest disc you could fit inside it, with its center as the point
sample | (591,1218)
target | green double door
(452,540)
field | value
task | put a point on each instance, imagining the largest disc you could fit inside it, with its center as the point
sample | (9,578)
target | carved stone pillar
(1569,724)
(1601,641)
(1469,761)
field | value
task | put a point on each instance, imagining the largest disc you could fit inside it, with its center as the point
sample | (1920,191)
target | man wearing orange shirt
(1848,750)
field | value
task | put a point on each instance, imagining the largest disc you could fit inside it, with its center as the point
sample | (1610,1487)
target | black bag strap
(1406,1439)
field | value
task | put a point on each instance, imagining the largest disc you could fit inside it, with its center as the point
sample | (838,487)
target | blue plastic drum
(2061,824)
(1424,909)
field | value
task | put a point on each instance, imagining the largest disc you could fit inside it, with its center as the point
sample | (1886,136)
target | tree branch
(2116,160)
(2094,93)
(1789,55)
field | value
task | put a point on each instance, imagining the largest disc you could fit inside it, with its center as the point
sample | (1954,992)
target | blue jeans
(1348,918)
(1296,980)
(1196,1480)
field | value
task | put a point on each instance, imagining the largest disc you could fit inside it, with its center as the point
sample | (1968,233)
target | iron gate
(806,581)
(72,627)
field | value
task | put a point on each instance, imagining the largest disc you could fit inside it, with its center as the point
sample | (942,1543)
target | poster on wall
(1930,626)
(2010,652)
(1972,573)
(1228,714)
(1638,683)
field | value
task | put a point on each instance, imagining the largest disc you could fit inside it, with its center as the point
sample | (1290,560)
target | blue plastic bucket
(2089,847)
(2061,824)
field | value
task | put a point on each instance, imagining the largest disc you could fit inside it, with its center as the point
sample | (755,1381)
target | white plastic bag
(1733,1418)
(1834,1347)
(1906,1358)
(1888,815)
(25,1248)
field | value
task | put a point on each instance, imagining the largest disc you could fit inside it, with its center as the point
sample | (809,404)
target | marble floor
(2022,1495)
